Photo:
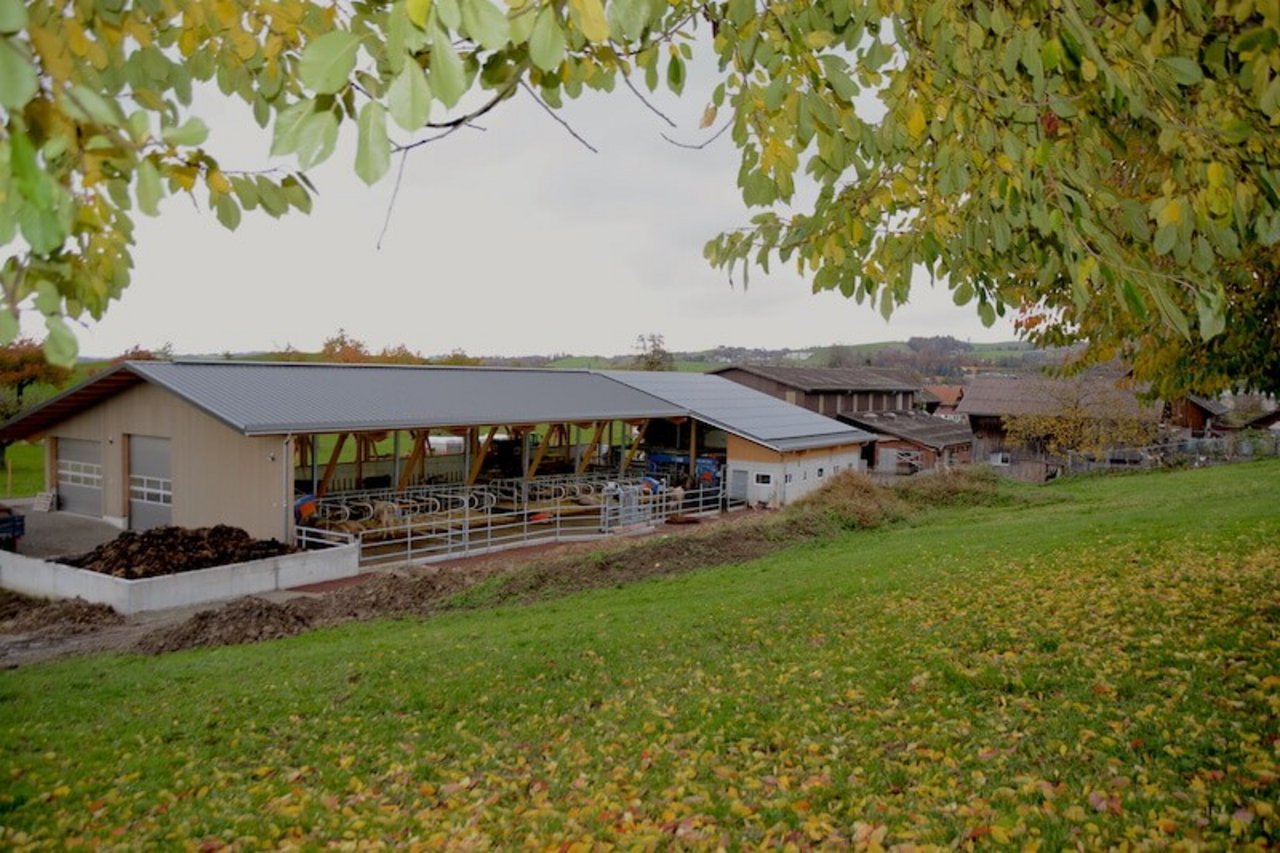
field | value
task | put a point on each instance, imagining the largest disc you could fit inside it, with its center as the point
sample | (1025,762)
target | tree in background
(137,352)
(651,354)
(1104,172)
(1082,416)
(22,365)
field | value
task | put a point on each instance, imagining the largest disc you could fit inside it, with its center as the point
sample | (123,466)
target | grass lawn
(26,461)
(1099,668)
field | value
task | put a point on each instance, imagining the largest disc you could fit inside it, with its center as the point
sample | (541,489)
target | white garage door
(150,483)
(80,476)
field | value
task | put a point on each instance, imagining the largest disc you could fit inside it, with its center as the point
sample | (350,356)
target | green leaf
(18,83)
(1209,311)
(296,194)
(328,61)
(42,228)
(546,42)
(628,18)
(963,294)
(485,24)
(676,75)
(289,124)
(449,13)
(8,327)
(409,98)
(448,79)
(987,314)
(60,345)
(150,190)
(192,132)
(317,138)
(837,73)
(13,16)
(228,211)
(1166,236)
(1172,313)
(1185,71)
(373,149)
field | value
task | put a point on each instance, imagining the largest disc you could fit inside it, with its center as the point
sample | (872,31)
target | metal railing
(427,523)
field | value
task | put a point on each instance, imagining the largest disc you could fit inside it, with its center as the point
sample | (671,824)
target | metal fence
(1188,453)
(428,523)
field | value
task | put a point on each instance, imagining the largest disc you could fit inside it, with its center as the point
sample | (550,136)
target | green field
(23,474)
(1097,664)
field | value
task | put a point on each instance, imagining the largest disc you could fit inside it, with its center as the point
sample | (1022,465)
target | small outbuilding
(913,441)
(774,451)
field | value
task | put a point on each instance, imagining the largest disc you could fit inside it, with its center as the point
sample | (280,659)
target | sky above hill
(507,241)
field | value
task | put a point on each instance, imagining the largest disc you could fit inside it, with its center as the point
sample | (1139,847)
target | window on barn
(151,490)
(764,479)
(821,473)
(71,473)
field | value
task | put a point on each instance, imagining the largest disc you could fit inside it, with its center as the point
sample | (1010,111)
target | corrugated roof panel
(259,398)
(842,379)
(743,411)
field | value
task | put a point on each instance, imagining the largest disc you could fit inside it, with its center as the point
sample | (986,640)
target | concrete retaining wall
(54,580)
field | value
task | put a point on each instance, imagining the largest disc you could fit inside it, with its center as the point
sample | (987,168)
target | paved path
(56,534)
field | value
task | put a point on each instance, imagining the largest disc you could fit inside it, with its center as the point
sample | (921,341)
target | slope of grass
(1099,669)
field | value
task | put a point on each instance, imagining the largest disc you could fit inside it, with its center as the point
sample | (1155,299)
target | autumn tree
(343,348)
(22,365)
(1104,172)
(1083,414)
(652,354)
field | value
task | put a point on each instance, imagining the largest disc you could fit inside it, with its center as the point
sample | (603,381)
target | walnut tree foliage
(1103,172)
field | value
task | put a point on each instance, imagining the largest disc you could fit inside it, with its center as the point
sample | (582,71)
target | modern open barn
(421,463)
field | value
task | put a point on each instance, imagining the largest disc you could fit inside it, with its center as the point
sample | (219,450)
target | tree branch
(699,146)
(561,121)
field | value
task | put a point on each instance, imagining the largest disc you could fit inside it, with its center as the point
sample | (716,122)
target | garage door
(150,483)
(80,476)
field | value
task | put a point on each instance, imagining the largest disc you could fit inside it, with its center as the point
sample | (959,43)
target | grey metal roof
(263,398)
(919,427)
(844,379)
(743,411)
(1100,395)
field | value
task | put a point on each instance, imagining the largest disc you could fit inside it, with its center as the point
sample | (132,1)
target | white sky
(512,241)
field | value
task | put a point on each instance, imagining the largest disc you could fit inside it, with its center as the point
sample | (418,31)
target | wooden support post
(332,467)
(415,457)
(635,447)
(481,452)
(362,444)
(590,449)
(539,453)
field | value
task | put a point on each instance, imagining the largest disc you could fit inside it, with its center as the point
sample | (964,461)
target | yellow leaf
(708,116)
(591,17)
(1088,70)
(1170,214)
(1004,161)
(1217,175)
(916,123)
(418,11)
(218,182)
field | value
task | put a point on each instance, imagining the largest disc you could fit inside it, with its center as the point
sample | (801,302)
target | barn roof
(743,411)
(274,398)
(1101,395)
(847,379)
(918,427)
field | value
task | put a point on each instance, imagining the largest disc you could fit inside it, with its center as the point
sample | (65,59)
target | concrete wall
(219,475)
(53,580)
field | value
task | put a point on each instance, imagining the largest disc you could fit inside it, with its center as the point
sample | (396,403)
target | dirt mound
(245,620)
(169,550)
(20,614)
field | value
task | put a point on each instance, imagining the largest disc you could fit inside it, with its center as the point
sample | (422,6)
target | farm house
(416,463)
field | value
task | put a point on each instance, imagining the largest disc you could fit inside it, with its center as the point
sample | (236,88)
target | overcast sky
(516,240)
